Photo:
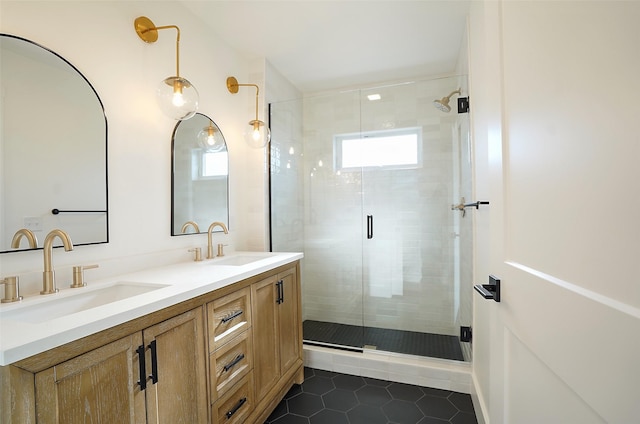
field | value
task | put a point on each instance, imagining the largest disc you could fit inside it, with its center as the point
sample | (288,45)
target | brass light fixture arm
(148,33)
(233,85)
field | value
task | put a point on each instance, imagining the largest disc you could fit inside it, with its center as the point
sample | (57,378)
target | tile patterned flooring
(399,341)
(327,397)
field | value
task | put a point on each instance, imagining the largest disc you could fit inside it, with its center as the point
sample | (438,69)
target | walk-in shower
(363,182)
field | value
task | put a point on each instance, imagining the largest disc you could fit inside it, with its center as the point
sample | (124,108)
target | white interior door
(565,197)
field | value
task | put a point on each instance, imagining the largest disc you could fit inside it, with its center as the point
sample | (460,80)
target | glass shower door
(318,210)
(410,300)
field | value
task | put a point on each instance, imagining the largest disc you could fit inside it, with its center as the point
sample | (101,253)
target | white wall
(99,39)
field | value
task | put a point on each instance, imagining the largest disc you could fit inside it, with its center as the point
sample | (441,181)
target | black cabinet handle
(233,363)
(232,316)
(154,362)
(369,226)
(280,294)
(235,408)
(142,367)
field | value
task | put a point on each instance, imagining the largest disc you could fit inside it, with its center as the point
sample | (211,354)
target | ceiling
(322,45)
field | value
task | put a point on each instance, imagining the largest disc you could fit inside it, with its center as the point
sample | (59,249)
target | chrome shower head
(443,103)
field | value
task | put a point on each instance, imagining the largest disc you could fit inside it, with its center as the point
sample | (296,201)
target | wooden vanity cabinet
(94,387)
(277,330)
(228,356)
(104,385)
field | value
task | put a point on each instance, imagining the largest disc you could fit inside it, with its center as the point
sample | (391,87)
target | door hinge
(463,104)
(465,334)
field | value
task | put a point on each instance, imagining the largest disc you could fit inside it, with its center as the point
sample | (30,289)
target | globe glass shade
(177,98)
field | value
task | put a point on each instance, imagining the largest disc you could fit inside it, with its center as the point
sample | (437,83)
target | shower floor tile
(408,342)
(348,399)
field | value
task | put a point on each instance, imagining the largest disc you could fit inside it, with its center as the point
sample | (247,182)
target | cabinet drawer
(228,316)
(230,363)
(236,405)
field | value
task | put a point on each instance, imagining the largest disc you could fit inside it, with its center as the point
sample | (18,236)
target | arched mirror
(200,176)
(53,148)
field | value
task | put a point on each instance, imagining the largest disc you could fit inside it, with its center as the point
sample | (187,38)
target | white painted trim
(426,372)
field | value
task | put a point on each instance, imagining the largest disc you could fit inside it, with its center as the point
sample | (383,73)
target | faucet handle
(11,289)
(198,254)
(78,275)
(221,249)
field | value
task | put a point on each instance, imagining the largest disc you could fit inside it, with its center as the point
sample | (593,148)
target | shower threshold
(357,338)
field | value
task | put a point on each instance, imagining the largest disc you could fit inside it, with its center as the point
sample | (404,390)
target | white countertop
(20,339)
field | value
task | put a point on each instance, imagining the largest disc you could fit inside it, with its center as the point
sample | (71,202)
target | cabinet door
(288,319)
(266,361)
(97,387)
(176,353)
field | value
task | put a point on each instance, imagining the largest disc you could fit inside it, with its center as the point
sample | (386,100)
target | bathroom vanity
(215,341)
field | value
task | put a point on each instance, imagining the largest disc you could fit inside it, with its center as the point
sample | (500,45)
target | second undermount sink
(76,300)
(240,260)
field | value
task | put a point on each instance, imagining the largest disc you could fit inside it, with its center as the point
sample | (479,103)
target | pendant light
(210,138)
(176,96)
(258,134)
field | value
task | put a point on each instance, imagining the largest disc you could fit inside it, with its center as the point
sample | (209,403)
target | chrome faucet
(28,234)
(186,226)
(48,276)
(209,242)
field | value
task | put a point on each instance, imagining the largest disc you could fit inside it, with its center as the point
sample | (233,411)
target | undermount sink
(59,305)
(241,260)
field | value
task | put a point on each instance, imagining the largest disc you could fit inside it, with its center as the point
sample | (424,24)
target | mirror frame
(106,150)
(175,231)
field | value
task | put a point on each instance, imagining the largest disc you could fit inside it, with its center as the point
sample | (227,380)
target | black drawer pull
(232,316)
(234,362)
(235,408)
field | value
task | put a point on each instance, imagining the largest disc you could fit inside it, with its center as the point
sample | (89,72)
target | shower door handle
(369,226)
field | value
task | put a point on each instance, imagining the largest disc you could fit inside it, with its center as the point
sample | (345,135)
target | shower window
(390,149)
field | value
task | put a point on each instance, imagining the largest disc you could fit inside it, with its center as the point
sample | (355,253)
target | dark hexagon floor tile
(373,395)
(436,392)
(323,373)
(405,392)
(280,410)
(437,407)
(376,382)
(366,414)
(462,402)
(318,385)
(328,416)
(348,382)
(340,400)
(309,372)
(292,419)
(464,418)
(402,412)
(431,420)
(305,404)
(293,391)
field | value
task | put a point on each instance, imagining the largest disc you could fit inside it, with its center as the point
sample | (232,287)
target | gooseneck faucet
(48,276)
(209,242)
(28,234)
(186,226)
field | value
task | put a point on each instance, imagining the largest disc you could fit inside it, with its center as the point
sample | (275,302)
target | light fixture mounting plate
(232,85)
(146,29)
